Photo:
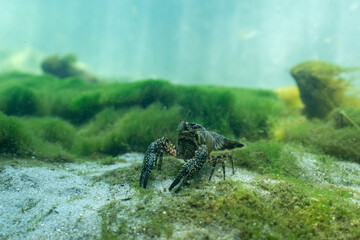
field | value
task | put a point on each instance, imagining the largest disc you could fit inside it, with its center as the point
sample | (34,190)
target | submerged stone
(321,87)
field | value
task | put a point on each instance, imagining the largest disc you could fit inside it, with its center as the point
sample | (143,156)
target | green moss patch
(125,175)
(52,130)
(267,157)
(286,210)
(86,118)
(15,139)
(346,117)
(19,101)
(322,137)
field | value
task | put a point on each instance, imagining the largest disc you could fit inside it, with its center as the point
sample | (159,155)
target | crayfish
(195,144)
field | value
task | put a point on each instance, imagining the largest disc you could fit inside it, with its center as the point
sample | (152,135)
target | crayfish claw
(154,153)
(178,179)
(148,164)
(190,168)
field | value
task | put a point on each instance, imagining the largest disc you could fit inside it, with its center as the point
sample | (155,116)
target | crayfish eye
(182,126)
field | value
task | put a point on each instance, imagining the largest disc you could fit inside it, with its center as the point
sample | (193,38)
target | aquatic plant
(345,117)
(253,113)
(82,107)
(266,156)
(215,107)
(290,96)
(101,122)
(321,137)
(80,119)
(229,111)
(129,175)
(233,112)
(52,130)
(19,101)
(139,127)
(51,152)
(40,138)
(14,138)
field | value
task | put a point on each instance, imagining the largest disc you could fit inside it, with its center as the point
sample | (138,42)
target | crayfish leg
(159,161)
(213,169)
(220,159)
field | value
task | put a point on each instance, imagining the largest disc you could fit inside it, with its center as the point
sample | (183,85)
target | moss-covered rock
(64,67)
(321,86)
(288,209)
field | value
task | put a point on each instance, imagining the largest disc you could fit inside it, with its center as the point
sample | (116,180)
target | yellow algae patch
(290,96)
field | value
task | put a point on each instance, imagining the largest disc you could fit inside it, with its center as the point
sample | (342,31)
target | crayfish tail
(231,144)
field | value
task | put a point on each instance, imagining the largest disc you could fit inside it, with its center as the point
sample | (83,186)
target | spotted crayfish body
(195,144)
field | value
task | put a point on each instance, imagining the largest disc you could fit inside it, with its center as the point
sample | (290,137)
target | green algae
(110,160)
(125,175)
(267,157)
(139,127)
(346,117)
(113,118)
(19,101)
(52,130)
(14,137)
(26,138)
(323,137)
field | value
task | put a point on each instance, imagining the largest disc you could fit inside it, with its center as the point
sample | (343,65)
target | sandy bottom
(56,203)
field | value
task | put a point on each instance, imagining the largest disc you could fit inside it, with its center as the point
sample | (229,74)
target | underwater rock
(321,87)
(66,66)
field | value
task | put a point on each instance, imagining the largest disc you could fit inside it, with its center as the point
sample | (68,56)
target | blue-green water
(260,98)
(234,43)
